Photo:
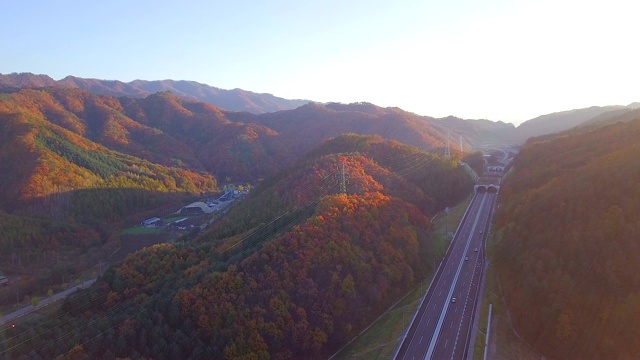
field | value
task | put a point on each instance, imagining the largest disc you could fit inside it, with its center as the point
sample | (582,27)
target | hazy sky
(506,60)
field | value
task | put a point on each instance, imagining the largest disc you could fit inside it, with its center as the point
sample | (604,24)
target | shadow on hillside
(52,241)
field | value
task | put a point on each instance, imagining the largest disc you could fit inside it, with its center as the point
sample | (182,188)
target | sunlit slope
(232,100)
(65,142)
(295,270)
(368,164)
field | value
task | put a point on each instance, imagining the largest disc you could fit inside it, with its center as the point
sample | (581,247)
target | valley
(337,227)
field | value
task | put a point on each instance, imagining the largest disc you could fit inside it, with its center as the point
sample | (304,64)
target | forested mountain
(560,121)
(315,122)
(568,247)
(62,188)
(63,139)
(297,270)
(76,166)
(165,129)
(73,156)
(425,180)
(627,114)
(473,133)
(335,230)
(233,100)
(160,128)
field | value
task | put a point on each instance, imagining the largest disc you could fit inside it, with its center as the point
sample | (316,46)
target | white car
(453,300)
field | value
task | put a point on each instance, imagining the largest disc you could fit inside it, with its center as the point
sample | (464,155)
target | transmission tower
(447,150)
(343,180)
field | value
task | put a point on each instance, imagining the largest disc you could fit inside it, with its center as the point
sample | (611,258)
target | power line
(403,164)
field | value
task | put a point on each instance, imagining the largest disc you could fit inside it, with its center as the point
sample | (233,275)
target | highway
(441,328)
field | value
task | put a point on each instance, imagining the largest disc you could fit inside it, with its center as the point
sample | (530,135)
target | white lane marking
(436,333)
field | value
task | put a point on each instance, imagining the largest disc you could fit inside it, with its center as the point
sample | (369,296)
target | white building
(152,222)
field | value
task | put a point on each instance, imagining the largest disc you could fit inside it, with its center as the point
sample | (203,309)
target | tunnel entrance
(487,188)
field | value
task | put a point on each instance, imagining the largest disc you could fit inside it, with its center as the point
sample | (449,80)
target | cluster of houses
(179,224)
(210,205)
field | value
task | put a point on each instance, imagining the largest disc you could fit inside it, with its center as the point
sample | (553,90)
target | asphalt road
(44,302)
(441,328)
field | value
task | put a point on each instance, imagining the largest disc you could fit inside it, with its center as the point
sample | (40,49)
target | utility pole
(460,145)
(404,326)
(446,222)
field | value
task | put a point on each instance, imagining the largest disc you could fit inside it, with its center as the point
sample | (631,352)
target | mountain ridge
(234,100)
(560,121)
(238,100)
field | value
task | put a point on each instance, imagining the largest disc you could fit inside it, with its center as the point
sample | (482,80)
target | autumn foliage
(315,287)
(568,249)
(300,288)
(295,270)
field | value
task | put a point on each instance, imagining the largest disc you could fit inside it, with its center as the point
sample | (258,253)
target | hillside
(233,100)
(316,122)
(60,140)
(426,181)
(626,114)
(471,133)
(160,128)
(557,122)
(165,129)
(63,191)
(77,167)
(301,288)
(567,250)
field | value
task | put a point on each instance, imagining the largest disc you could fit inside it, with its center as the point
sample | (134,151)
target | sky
(502,60)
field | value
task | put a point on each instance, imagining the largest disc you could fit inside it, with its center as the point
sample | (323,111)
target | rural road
(44,302)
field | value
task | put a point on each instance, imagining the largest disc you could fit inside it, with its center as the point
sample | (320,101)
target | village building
(196,208)
(152,222)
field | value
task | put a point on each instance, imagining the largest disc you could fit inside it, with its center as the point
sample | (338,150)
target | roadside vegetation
(383,337)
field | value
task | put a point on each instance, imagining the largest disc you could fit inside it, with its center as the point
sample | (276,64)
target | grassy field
(171,219)
(382,338)
(138,230)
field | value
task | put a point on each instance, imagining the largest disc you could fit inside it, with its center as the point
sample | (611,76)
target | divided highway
(441,328)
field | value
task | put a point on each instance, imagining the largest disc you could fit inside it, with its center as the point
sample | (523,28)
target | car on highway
(466,258)
(453,300)
(476,250)
(480,231)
